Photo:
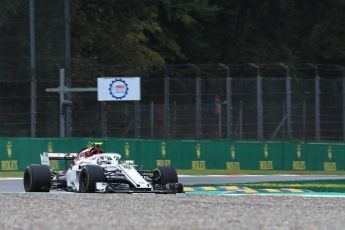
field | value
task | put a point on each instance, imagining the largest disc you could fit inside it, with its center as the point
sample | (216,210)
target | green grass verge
(313,185)
(11,174)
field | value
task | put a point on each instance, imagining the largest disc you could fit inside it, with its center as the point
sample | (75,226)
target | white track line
(11,178)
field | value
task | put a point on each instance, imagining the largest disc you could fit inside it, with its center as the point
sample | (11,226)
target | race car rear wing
(45,157)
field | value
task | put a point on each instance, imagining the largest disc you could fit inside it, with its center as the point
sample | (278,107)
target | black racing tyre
(37,178)
(89,175)
(165,175)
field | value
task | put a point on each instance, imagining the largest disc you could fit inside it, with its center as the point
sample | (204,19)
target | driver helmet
(88,152)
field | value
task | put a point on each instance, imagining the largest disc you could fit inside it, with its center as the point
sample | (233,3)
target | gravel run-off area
(153,211)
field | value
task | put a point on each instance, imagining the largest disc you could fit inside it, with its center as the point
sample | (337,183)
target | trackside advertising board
(118,89)
(17,153)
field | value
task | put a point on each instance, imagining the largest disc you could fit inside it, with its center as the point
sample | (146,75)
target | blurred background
(245,70)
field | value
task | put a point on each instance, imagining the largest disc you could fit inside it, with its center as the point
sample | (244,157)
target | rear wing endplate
(45,157)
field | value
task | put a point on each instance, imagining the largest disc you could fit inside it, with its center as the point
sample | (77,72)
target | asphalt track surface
(16,185)
(61,210)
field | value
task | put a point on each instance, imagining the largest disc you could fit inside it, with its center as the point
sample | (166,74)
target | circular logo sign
(118,89)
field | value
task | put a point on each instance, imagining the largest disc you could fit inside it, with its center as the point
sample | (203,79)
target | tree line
(156,32)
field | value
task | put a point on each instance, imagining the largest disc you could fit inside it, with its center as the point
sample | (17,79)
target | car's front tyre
(89,175)
(165,178)
(164,175)
(37,178)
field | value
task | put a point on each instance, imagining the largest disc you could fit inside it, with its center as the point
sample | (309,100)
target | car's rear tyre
(89,175)
(37,178)
(165,175)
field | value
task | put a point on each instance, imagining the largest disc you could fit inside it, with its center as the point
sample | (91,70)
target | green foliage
(149,33)
(114,32)
(8,9)
(328,34)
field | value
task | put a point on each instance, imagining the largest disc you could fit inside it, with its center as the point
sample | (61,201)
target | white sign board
(118,89)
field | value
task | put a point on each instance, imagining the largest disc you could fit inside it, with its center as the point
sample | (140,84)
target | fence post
(33,96)
(343,105)
(197,101)
(284,114)
(317,101)
(166,103)
(343,98)
(241,120)
(104,118)
(288,99)
(198,108)
(67,19)
(220,120)
(259,103)
(317,105)
(62,98)
(304,119)
(228,101)
(136,119)
(174,120)
(152,118)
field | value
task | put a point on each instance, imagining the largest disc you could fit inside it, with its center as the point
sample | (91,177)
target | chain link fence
(189,101)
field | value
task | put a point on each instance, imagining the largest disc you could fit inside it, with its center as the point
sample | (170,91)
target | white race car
(100,172)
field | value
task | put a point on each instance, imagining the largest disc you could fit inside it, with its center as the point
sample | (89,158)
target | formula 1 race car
(94,171)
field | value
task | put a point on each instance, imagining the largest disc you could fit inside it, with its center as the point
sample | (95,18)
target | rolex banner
(199,155)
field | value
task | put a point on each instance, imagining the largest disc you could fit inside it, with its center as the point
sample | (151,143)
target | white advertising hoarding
(118,89)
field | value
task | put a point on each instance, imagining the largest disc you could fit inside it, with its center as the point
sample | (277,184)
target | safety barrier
(17,153)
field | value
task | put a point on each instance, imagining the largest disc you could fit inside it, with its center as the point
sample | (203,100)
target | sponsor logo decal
(118,88)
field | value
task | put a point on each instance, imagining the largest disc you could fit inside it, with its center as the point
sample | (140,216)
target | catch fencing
(215,101)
